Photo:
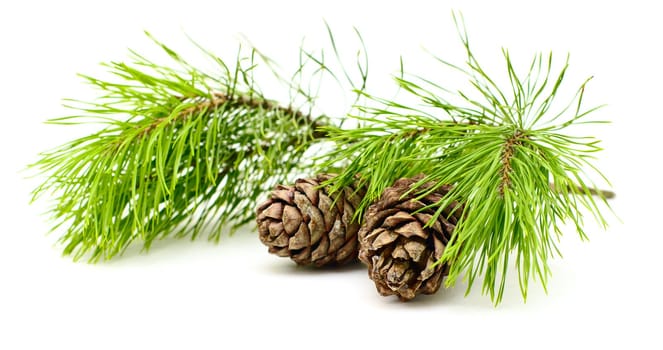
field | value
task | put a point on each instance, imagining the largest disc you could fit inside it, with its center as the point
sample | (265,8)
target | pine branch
(517,174)
(180,152)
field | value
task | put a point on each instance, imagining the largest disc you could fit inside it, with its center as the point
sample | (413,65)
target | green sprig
(507,153)
(179,152)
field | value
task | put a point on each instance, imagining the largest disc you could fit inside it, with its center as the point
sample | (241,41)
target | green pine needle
(180,152)
(183,152)
(505,150)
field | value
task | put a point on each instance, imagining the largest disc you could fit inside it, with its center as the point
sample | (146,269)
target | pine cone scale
(292,219)
(329,212)
(383,238)
(312,216)
(301,239)
(274,211)
(283,194)
(347,218)
(348,251)
(375,217)
(308,189)
(276,230)
(411,229)
(280,241)
(439,247)
(321,250)
(415,250)
(397,219)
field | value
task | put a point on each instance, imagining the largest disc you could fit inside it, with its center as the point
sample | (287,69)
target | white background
(198,295)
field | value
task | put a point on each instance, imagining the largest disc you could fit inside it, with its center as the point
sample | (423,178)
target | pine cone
(303,222)
(398,249)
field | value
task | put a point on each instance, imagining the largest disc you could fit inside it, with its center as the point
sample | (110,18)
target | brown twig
(219,98)
(607,194)
(507,154)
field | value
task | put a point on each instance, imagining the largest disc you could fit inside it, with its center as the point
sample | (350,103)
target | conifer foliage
(181,151)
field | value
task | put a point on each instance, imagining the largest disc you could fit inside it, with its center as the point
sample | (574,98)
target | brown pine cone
(303,222)
(398,249)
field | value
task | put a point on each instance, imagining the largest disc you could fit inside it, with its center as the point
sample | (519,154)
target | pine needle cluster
(504,149)
(180,152)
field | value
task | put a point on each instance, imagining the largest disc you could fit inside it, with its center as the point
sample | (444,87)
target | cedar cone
(397,247)
(304,223)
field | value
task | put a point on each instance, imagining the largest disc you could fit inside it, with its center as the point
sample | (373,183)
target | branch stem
(607,194)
